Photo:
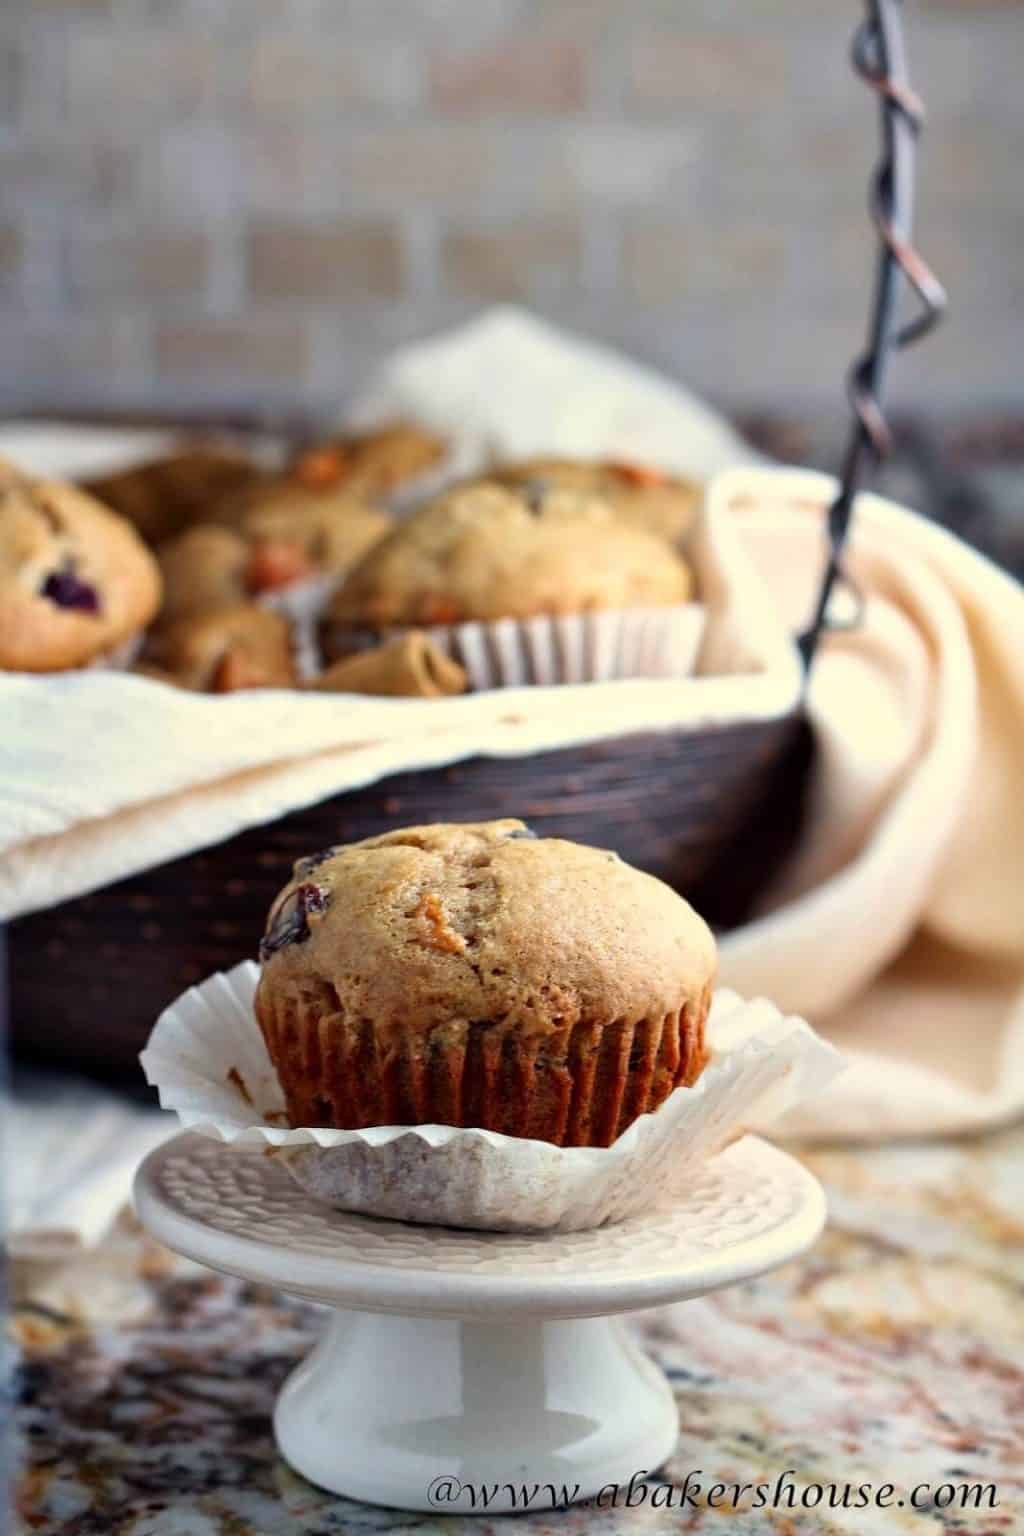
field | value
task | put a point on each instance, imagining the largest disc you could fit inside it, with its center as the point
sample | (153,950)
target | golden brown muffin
(166,495)
(224,650)
(269,540)
(203,568)
(374,464)
(644,497)
(75,579)
(485,551)
(480,976)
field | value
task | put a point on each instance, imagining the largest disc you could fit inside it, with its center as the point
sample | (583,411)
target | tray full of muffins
(376,623)
(209,572)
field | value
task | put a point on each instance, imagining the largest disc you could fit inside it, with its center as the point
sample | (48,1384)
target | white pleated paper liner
(576,648)
(207,1059)
(303,604)
(120,657)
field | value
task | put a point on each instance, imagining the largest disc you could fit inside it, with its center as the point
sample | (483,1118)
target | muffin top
(375,463)
(75,579)
(203,568)
(280,540)
(642,496)
(486,551)
(165,495)
(332,531)
(429,925)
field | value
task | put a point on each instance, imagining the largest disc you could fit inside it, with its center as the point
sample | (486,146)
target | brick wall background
(209,201)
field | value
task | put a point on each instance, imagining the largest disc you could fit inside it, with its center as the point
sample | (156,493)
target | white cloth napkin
(514,387)
(898,930)
(70,1150)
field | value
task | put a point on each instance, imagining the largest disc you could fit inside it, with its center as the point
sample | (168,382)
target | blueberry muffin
(644,497)
(223,650)
(478,975)
(485,551)
(75,580)
(164,496)
(374,464)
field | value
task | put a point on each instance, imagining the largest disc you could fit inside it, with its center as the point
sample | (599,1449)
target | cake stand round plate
(475,1359)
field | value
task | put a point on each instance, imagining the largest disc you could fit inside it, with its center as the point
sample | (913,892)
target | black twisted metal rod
(879,57)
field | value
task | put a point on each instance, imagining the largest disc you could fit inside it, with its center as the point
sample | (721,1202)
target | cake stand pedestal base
(461,1370)
(399,1410)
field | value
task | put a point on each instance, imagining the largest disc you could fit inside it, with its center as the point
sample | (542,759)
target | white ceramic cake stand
(473,1356)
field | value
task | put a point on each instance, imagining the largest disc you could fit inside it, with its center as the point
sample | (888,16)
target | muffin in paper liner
(207,1058)
(530,617)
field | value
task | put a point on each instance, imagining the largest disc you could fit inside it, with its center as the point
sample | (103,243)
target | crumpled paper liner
(207,1059)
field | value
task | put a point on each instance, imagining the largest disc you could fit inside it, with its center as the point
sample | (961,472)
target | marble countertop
(892,1353)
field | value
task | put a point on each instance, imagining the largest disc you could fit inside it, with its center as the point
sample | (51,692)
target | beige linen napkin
(899,927)
(70,1149)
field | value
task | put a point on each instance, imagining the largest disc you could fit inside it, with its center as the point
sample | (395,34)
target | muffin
(299,529)
(643,496)
(204,568)
(478,975)
(244,646)
(164,496)
(331,528)
(485,552)
(374,464)
(76,582)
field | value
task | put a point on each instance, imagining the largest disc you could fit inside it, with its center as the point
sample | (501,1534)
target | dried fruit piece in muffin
(67,589)
(479,976)
(273,564)
(244,646)
(289,920)
(75,579)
